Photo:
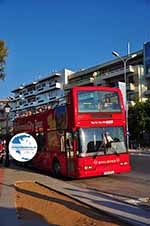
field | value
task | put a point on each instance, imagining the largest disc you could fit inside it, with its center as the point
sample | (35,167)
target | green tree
(139,121)
(3,55)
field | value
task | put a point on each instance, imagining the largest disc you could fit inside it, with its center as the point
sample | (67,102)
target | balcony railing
(120,71)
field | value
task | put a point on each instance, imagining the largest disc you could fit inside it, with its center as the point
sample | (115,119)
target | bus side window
(40,138)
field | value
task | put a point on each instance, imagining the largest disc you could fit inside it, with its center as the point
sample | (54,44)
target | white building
(49,89)
(40,93)
(112,72)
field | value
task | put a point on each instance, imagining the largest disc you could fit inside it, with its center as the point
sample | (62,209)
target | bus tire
(1,160)
(56,169)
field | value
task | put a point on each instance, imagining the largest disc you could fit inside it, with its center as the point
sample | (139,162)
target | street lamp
(125,60)
(93,78)
(7,110)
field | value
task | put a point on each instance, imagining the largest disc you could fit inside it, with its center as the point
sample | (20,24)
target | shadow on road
(68,203)
(9,216)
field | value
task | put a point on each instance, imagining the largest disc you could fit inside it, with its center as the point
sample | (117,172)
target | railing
(117,72)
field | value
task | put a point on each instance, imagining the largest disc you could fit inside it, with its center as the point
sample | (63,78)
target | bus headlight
(123,163)
(87,167)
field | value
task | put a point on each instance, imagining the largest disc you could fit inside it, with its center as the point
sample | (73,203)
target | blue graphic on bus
(22,147)
(18,140)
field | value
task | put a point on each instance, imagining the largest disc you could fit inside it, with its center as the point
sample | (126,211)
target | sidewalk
(7,203)
(133,214)
(140,150)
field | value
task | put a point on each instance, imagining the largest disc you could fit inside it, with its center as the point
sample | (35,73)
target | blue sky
(47,35)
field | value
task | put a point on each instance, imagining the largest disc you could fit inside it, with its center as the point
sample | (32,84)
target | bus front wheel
(56,169)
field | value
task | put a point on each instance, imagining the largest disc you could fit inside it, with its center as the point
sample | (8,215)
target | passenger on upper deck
(109,104)
(104,104)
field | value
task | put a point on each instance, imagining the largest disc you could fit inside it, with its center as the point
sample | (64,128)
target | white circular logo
(22,147)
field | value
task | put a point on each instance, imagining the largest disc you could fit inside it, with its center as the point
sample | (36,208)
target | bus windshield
(98,101)
(100,141)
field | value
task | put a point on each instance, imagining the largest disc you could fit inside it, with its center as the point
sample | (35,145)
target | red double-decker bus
(84,137)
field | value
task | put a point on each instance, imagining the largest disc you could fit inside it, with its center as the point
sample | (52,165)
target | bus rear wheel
(56,169)
(1,159)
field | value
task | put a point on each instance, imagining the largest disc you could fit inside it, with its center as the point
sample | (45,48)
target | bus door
(70,154)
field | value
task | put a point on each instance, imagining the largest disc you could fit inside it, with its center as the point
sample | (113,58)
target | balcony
(118,72)
(45,101)
(131,87)
(56,85)
(80,82)
(29,93)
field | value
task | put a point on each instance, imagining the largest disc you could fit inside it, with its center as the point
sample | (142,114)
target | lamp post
(7,110)
(125,60)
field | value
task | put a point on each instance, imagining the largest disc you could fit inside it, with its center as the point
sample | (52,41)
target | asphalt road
(135,184)
(29,201)
(141,164)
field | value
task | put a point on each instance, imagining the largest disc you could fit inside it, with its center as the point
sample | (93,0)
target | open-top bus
(84,137)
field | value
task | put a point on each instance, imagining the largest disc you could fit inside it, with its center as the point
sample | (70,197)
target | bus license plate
(109,172)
